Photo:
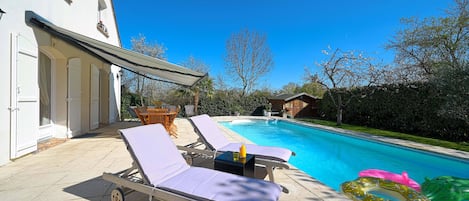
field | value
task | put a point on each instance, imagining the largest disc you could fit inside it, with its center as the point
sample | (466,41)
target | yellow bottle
(242,151)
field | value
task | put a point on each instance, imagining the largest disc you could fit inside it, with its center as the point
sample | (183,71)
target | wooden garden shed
(295,105)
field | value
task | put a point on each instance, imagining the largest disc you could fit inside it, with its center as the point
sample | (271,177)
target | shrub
(228,102)
(410,108)
(128,99)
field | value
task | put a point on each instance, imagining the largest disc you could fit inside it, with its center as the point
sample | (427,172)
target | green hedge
(228,102)
(129,99)
(404,108)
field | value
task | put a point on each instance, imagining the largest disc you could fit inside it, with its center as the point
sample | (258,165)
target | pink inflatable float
(402,179)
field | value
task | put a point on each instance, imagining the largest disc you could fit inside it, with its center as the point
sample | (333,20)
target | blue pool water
(334,158)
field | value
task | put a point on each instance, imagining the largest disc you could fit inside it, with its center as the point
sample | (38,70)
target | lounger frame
(151,184)
(208,151)
(128,182)
(268,164)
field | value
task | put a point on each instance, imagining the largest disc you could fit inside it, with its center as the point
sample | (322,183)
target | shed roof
(287,97)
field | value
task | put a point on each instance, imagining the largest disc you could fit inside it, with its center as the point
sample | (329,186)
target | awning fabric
(133,61)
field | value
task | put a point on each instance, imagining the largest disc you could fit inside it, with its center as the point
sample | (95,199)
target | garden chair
(189,109)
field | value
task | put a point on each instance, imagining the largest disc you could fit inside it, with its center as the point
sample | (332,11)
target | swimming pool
(334,158)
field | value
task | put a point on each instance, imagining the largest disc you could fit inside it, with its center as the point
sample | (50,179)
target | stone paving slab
(72,170)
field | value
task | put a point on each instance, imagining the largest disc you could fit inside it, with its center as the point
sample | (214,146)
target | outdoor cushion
(162,166)
(216,140)
(157,155)
(216,185)
(209,131)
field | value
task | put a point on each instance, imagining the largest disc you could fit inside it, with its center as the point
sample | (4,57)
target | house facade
(50,87)
(295,105)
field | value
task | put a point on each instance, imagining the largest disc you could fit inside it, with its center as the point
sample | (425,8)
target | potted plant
(268,110)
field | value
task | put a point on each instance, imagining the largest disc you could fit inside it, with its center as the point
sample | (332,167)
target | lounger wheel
(188,158)
(117,195)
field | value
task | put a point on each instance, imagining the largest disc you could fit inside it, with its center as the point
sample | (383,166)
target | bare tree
(220,83)
(152,49)
(196,64)
(203,86)
(425,46)
(248,58)
(343,72)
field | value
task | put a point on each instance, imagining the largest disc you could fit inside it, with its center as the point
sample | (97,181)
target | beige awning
(133,61)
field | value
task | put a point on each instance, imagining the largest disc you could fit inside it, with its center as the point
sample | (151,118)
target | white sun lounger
(215,141)
(159,170)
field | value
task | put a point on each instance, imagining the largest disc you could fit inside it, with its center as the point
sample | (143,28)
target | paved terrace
(72,170)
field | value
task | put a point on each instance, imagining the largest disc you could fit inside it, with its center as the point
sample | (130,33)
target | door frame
(15,50)
(13,94)
(50,128)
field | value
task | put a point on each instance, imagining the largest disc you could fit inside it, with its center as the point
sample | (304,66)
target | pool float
(446,188)
(402,179)
(376,189)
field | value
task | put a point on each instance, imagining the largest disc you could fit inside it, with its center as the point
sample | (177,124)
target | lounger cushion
(157,154)
(216,185)
(266,152)
(216,140)
(210,131)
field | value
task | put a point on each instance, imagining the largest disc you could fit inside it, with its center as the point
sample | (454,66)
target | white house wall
(80,17)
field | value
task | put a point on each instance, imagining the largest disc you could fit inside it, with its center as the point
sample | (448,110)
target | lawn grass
(464,146)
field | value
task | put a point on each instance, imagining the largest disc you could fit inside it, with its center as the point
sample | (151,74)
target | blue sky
(296,30)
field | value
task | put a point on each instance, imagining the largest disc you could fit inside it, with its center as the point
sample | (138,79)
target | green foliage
(455,84)
(410,108)
(433,97)
(373,131)
(313,88)
(128,99)
(231,101)
(290,88)
(309,87)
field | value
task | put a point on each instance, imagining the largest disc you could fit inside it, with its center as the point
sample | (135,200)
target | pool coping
(305,181)
(462,155)
(458,154)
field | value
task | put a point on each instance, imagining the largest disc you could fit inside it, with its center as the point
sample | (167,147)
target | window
(44,89)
